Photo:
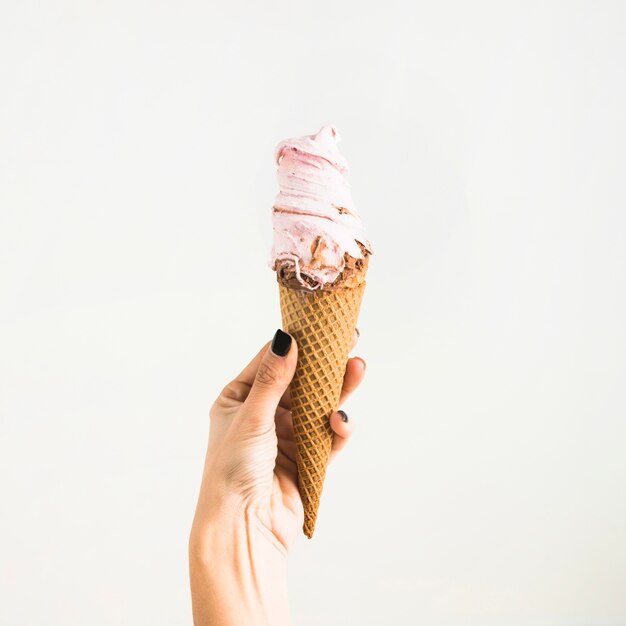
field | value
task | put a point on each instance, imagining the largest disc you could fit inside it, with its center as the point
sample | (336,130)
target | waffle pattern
(323,324)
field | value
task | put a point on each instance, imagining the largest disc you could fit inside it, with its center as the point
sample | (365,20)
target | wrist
(237,569)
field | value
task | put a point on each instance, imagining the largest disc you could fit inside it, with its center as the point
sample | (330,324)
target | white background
(486,484)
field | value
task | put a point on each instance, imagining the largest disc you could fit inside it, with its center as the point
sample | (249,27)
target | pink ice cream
(314,218)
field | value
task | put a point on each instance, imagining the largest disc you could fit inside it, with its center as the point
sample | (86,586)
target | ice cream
(319,240)
(320,255)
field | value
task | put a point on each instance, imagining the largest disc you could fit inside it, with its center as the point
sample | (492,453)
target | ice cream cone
(323,324)
(320,255)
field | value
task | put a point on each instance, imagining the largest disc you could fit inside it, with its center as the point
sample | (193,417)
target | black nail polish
(281,343)
(344,415)
(358,332)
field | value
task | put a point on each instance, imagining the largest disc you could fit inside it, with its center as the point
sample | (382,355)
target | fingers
(237,390)
(249,371)
(272,377)
(355,372)
(343,427)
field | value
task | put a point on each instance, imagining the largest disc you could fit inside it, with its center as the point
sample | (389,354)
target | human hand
(249,493)
(251,458)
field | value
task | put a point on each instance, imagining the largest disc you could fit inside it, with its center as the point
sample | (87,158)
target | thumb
(273,376)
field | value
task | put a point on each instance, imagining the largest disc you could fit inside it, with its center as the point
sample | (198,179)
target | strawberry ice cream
(319,240)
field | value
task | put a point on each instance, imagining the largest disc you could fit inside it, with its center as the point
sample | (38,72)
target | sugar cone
(322,323)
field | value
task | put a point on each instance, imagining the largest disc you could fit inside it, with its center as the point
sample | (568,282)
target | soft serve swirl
(314,218)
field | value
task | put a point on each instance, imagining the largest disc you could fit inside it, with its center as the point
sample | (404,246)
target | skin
(249,511)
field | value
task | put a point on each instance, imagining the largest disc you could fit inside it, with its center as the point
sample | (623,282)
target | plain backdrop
(486,484)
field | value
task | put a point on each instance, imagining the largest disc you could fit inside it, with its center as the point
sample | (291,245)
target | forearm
(237,572)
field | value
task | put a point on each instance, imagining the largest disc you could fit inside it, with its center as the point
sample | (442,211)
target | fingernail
(344,415)
(362,361)
(281,343)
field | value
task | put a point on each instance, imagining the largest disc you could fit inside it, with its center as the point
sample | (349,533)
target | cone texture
(323,324)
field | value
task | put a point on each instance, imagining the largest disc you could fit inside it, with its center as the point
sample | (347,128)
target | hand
(250,475)
(251,458)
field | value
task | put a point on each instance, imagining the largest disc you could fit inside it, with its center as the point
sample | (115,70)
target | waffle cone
(323,324)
